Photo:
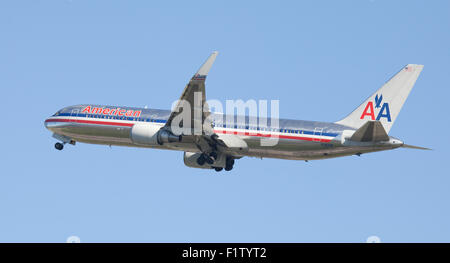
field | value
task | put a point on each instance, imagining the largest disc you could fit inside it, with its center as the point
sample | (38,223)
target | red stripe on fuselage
(216,131)
(273,136)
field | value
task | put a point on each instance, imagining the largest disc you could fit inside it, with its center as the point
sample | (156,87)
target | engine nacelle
(190,160)
(165,136)
(145,133)
(150,134)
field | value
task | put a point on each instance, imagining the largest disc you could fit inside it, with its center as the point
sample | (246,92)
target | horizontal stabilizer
(371,131)
(414,147)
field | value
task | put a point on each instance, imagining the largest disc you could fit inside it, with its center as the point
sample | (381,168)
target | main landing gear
(229,164)
(209,159)
(203,158)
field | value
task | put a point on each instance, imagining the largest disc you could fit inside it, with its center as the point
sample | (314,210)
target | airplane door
(317,132)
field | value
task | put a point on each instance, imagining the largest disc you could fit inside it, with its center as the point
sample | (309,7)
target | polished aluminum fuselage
(297,140)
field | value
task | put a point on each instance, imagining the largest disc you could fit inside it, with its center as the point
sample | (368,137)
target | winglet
(204,69)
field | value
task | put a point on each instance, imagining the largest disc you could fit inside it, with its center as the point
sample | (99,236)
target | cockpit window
(57,113)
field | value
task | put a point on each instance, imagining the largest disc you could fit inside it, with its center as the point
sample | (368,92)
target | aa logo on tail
(382,109)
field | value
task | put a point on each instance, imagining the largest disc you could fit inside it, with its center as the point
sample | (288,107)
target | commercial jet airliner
(209,141)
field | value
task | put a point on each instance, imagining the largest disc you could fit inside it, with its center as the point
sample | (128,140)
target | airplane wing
(192,103)
(190,117)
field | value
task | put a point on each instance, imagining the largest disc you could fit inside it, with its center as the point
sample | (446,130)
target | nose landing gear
(63,140)
(59,146)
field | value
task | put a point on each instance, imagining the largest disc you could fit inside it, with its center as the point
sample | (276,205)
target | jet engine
(150,134)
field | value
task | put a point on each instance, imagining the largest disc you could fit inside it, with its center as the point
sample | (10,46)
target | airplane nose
(46,123)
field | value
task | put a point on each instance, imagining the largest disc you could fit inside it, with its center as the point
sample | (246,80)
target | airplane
(217,144)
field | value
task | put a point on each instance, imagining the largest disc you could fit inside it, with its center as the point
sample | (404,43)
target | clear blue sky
(319,58)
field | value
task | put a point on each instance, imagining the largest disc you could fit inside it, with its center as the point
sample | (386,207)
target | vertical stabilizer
(385,104)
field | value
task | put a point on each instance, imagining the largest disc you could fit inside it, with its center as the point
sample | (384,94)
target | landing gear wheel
(201,160)
(59,146)
(229,164)
(213,155)
(218,169)
(209,160)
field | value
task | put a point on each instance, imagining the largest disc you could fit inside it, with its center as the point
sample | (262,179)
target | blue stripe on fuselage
(115,117)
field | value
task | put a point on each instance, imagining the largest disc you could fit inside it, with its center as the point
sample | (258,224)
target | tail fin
(385,104)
